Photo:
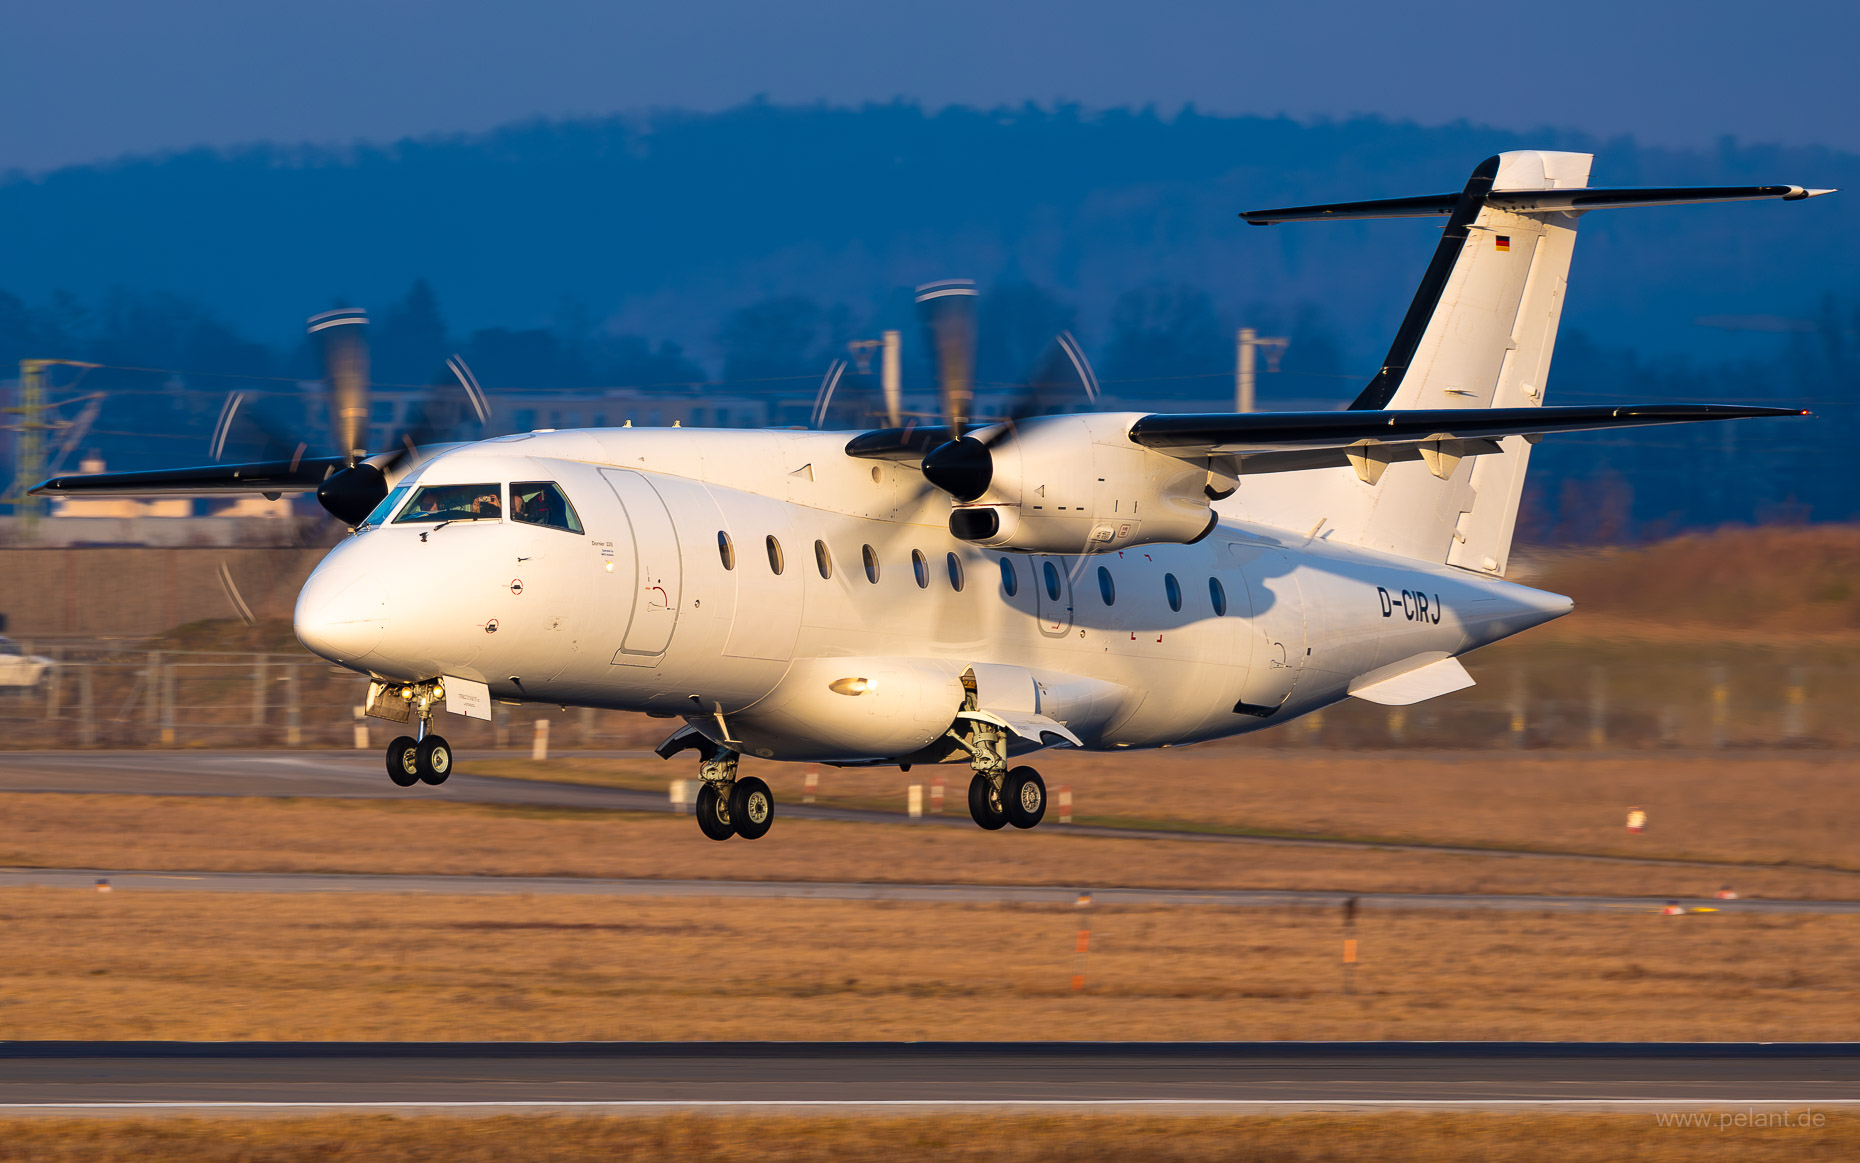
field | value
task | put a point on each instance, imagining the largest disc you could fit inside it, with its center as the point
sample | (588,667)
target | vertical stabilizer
(1485,342)
(1478,334)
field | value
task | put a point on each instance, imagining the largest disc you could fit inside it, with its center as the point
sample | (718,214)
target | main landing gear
(999,796)
(1017,797)
(727,805)
(423,757)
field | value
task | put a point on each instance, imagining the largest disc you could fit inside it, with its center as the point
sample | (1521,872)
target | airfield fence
(116,695)
(112,696)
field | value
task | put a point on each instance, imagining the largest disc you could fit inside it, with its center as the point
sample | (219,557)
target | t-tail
(1479,334)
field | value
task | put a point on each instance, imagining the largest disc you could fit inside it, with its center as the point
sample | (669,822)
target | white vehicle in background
(19,669)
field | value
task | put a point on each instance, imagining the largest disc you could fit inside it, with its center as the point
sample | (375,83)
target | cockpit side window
(542,503)
(385,509)
(435,503)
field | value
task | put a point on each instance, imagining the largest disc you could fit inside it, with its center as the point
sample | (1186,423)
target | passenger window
(920,568)
(725,550)
(436,503)
(1010,584)
(1218,596)
(381,512)
(823,561)
(1173,588)
(542,503)
(774,548)
(871,563)
(1107,589)
(955,573)
(1052,579)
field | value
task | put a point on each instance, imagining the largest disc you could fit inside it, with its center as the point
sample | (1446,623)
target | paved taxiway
(302,882)
(360,775)
(104,1076)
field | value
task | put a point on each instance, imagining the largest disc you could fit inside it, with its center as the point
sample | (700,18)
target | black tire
(433,756)
(1024,796)
(713,814)
(984,808)
(400,765)
(752,808)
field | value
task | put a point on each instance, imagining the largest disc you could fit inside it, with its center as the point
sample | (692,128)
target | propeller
(354,489)
(959,464)
(964,466)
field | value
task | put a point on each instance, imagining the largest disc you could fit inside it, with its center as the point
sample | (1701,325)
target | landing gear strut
(727,805)
(422,757)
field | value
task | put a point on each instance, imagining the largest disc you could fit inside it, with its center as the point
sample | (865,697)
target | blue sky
(83,80)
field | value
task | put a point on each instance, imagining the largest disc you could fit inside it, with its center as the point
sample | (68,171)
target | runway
(96,1077)
(128,881)
(360,775)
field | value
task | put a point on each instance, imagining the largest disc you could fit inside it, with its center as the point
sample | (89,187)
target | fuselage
(733,578)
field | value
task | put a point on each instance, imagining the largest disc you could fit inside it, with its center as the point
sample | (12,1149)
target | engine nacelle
(1077,484)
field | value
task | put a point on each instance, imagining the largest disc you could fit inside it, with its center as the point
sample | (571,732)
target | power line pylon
(29,459)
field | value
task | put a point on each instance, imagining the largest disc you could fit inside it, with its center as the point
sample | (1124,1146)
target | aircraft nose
(341,614)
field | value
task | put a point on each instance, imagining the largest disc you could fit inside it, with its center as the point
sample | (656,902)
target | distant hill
(660,226)
(672,251)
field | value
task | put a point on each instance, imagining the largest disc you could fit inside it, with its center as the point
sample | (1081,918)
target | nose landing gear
(422,757)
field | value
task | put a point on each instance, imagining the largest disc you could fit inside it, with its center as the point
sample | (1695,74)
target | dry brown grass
(994,1138)
(1771,808)
(327,966)
(135,832)
(1797,580)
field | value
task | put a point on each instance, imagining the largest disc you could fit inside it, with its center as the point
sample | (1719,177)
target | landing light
(851,686)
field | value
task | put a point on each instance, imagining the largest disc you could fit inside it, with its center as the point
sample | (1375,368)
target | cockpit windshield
(435,503)
(380,513)
(542,503)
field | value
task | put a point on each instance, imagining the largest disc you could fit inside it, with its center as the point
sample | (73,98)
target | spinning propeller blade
(947,309)
(345,371)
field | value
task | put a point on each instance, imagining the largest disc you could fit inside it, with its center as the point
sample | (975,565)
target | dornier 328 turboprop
(955,593)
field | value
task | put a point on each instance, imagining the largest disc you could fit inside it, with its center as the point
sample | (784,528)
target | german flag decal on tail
(1503,241)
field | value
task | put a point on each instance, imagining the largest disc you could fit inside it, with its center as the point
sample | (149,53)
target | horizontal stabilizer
(1529,201)
(302,475)
(1412,680)
(1244,433)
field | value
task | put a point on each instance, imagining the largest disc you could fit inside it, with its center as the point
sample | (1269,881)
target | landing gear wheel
(752,808)
(1025,795)
(400,764)
(713,815)
(984,804)
(433,757)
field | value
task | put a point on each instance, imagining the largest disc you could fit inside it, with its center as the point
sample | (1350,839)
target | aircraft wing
(271,477)
(1248,434)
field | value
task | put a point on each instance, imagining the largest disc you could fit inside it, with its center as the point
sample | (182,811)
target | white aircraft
(942,595)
